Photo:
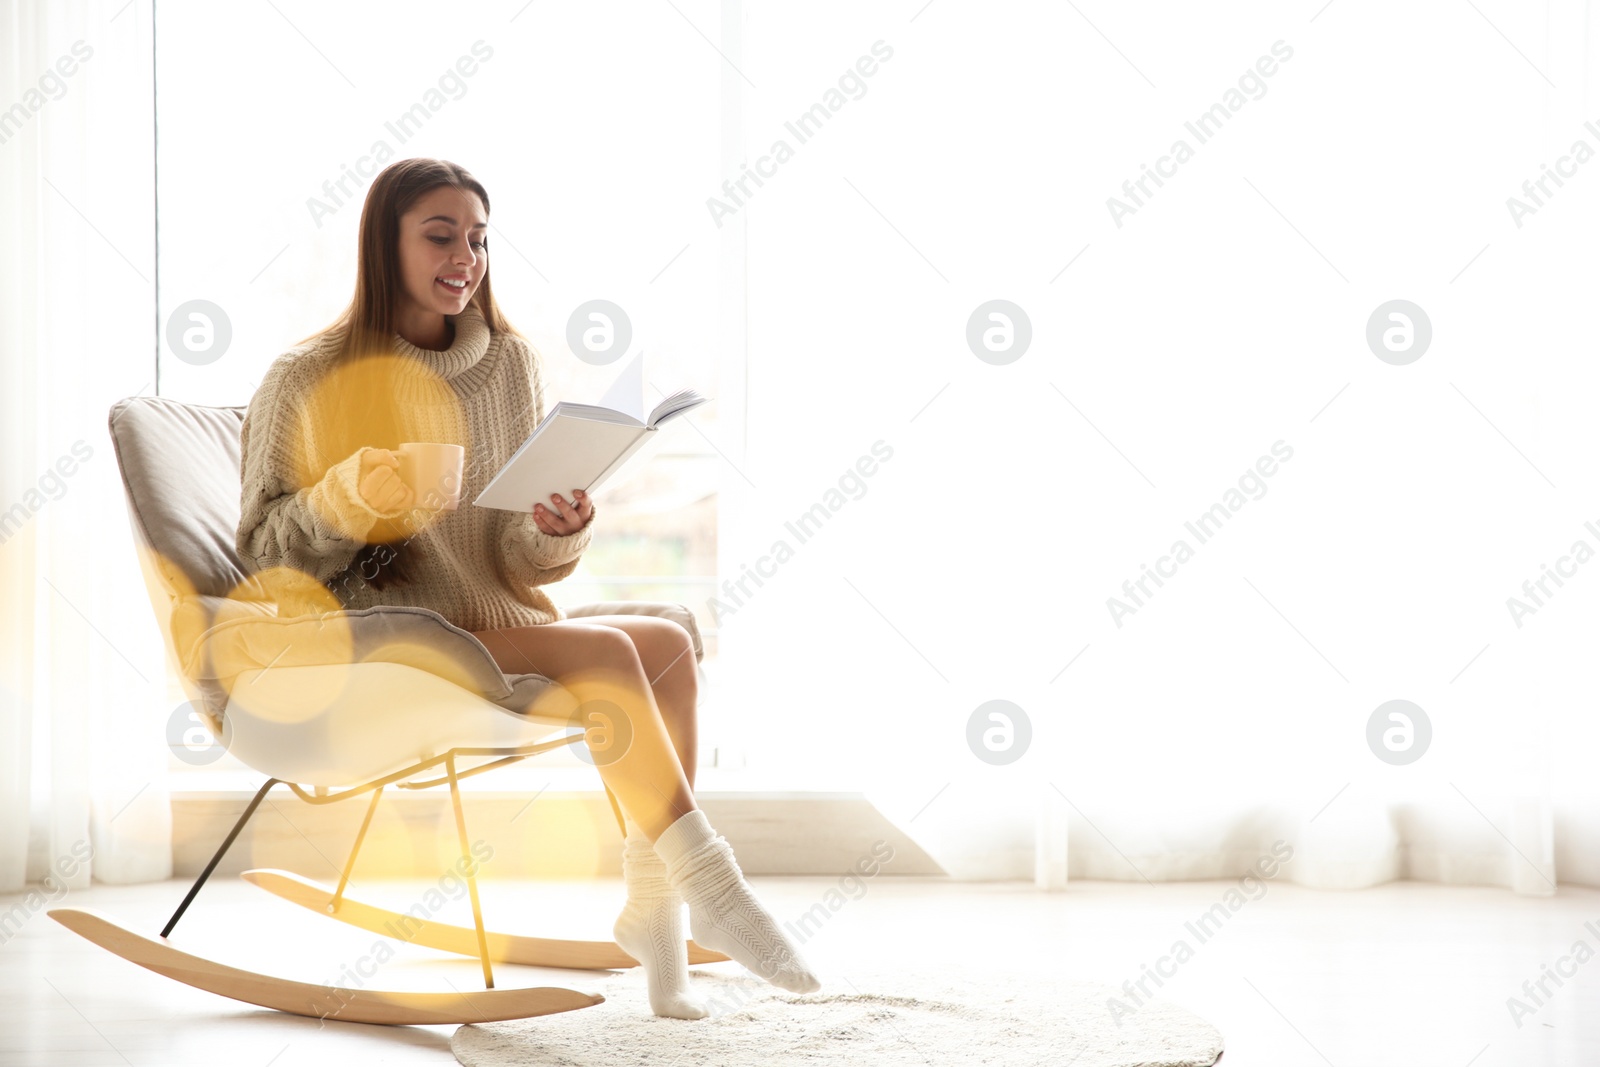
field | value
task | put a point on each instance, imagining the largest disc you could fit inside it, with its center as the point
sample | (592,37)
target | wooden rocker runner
(333,704)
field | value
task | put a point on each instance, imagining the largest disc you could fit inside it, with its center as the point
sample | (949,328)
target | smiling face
(442,240)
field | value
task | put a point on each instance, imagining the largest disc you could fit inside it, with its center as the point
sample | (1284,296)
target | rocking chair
(332,704)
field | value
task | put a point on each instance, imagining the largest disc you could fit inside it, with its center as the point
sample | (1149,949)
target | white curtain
(964,154)
(82,682)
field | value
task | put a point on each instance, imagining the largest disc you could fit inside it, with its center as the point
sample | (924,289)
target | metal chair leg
(217,857)
(350,864)
(469,870)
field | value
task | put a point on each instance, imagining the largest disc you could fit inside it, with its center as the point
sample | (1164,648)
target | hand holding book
(560,518)
(581,446)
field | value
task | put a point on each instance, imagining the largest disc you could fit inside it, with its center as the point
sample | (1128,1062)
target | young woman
(423,353)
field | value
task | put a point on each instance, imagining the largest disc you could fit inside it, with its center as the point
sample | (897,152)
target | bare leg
(600,664)
(646,656)
(666,652)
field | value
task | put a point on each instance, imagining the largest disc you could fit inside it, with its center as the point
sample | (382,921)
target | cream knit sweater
(480,568)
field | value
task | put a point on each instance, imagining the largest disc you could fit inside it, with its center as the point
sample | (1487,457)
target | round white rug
(881,1019)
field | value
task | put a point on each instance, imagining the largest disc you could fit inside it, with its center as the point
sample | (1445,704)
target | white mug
(433,472)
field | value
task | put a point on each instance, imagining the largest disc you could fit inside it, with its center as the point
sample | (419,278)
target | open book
(581,446)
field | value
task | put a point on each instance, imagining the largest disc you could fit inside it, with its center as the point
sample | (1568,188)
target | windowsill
(781,825)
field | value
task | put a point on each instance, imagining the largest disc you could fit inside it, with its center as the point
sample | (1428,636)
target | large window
(599,133)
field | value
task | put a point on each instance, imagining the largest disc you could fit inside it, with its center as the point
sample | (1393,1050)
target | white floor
(1403,974)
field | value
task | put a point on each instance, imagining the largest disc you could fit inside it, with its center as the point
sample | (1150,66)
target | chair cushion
(180,469)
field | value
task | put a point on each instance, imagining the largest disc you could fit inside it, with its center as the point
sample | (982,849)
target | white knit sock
(650,929)
(724,914)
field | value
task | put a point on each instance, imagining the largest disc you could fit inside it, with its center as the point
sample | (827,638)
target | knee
(608,648)
(673,655)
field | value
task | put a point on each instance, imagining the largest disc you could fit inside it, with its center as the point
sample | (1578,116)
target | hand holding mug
(380,482)
(560,518)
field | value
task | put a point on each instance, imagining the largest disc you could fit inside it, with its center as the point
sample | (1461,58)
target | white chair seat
(341,724)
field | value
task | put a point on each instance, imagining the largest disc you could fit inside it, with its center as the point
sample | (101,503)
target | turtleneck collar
(462,365)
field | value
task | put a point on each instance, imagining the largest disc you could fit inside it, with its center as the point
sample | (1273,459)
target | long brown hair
(367,326)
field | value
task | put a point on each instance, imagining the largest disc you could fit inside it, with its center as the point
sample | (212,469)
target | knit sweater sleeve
(530,554)
(287,518)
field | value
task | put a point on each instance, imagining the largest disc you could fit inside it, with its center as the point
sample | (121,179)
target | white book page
(627,392)
(569,453)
